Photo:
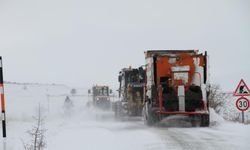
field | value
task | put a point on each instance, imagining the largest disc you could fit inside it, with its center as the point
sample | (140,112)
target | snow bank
(215,119)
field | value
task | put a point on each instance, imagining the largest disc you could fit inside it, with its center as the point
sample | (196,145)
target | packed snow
(91,129)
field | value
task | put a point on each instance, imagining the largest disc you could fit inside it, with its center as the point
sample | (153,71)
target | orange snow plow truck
(176,84)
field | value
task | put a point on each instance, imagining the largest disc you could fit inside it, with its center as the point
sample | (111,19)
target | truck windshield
(134,76)
(101,91)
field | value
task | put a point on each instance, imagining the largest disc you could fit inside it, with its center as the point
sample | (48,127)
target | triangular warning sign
(242,89)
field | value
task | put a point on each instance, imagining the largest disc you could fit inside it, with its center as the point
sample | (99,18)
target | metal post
(243,119)
(48,103)
(2,99)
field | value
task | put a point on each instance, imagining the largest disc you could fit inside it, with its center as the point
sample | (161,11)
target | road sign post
(242,114)
(242,103)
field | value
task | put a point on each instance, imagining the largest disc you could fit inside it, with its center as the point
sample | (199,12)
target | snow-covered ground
(90,129)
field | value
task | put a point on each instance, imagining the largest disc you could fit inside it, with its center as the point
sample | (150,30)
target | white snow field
(89,129)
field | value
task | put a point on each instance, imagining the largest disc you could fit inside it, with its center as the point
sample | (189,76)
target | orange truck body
(176,83)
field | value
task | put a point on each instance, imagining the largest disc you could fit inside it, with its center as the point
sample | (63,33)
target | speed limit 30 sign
(242,104)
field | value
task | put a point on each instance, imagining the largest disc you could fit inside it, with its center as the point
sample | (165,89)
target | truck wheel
(117,109)
(145,114)
(205,120)
(200,120)
(148,120)
(195,120)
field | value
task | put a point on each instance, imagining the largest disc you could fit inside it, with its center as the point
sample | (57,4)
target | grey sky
(80,43)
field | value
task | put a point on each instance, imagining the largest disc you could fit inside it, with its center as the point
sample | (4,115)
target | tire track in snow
(171,139)
(195,138)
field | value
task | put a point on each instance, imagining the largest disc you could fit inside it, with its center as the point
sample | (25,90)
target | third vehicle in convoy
(100,97)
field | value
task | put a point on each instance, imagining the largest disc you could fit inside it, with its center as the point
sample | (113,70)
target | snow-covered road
(90,129)
(225,136)
(109,134)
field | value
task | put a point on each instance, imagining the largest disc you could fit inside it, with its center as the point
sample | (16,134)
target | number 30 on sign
(242,104)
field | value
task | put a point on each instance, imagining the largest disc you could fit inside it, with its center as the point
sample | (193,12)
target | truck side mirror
(89,91)
(110,91)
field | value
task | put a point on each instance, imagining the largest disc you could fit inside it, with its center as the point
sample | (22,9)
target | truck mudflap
(203,111)
(197,118)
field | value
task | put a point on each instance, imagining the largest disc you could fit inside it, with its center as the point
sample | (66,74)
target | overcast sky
(81,43)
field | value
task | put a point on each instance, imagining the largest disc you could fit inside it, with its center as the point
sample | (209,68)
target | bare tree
(37,134)
(217,98)
(223,104)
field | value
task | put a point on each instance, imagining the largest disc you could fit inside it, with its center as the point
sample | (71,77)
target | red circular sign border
(239,107)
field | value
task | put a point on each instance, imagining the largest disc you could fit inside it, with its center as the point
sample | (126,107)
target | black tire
(147,120)
(151,118)
(205,120)
(117,109)
(195,120)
